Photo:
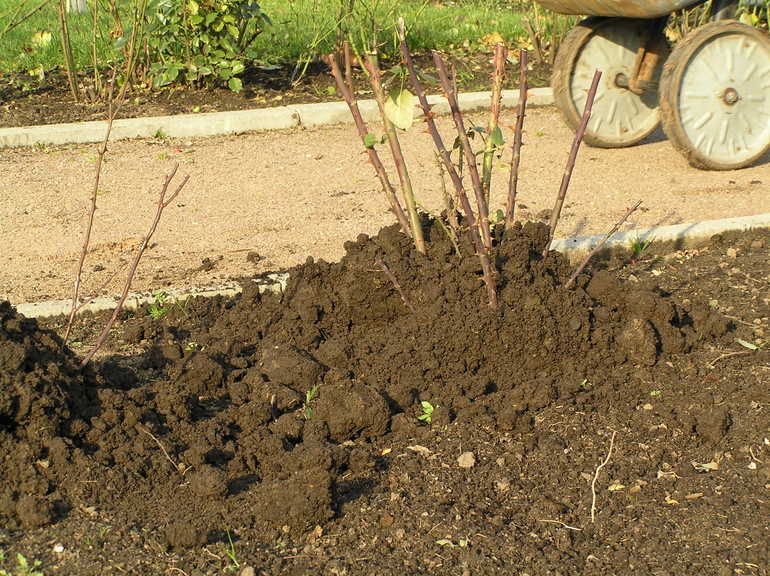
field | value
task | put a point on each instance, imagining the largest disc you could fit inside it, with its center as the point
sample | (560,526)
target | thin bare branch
(598,247)
(161,205)
(111,112)
(513,178)
(571,161)
(374,158)
(392,277)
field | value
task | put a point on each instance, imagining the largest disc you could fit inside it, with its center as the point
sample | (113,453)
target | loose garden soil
(50,102)
(616,427)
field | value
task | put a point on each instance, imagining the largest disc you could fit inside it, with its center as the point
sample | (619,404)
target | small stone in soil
(466,460)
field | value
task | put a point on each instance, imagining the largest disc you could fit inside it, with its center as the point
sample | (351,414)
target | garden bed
(614,427)
(52,102)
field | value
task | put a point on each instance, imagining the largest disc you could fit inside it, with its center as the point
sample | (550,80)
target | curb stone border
(239,121)
(680,235)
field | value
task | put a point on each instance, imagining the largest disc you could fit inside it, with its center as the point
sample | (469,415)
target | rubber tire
(671,79)
(561,77)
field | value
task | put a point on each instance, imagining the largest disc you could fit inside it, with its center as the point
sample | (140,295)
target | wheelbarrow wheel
(715,96)
(620,117)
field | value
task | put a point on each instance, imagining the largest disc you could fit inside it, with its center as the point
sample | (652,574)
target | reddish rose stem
(470,156)
(513,178)
(374,158)
(162,205)
(488,269)
(571,161)
(598,247)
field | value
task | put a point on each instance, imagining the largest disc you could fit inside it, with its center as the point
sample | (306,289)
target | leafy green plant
(585,384)
(427,412)
(310,395)
(754,13)
(158,308)
(203,42)
(23,566)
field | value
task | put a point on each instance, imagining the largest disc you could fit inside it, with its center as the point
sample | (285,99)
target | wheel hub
(621,80)
(730,96)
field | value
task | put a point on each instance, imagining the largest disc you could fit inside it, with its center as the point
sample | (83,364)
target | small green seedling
(192,347)
(655,393)
(231,554)
(310,395)
(427,412)
(638,246)
(23,567)
(585,384)
(158,307)
(160,134)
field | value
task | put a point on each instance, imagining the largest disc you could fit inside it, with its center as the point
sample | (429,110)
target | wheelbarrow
(711,92)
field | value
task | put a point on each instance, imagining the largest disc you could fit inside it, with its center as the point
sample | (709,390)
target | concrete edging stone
(680,235)
(238,121)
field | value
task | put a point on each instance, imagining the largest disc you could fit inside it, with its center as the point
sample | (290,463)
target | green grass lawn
(300,29)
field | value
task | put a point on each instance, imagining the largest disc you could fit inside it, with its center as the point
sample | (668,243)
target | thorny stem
(392,277)
(598,247)
(163,203)
(374,158)
(571,162)
(481,204)
(398,155)
(348,58)
(513,178)
(501,53)
(486,265)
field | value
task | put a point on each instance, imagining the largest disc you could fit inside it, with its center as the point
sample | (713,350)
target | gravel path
(264,201)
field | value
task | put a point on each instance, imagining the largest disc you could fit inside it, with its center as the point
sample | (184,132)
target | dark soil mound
(266,414)
(40,390)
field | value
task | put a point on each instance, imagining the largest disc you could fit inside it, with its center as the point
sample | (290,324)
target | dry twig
(562,524)
(598,247)
(596,476)
(392,277)
(571,161)
(162,449)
